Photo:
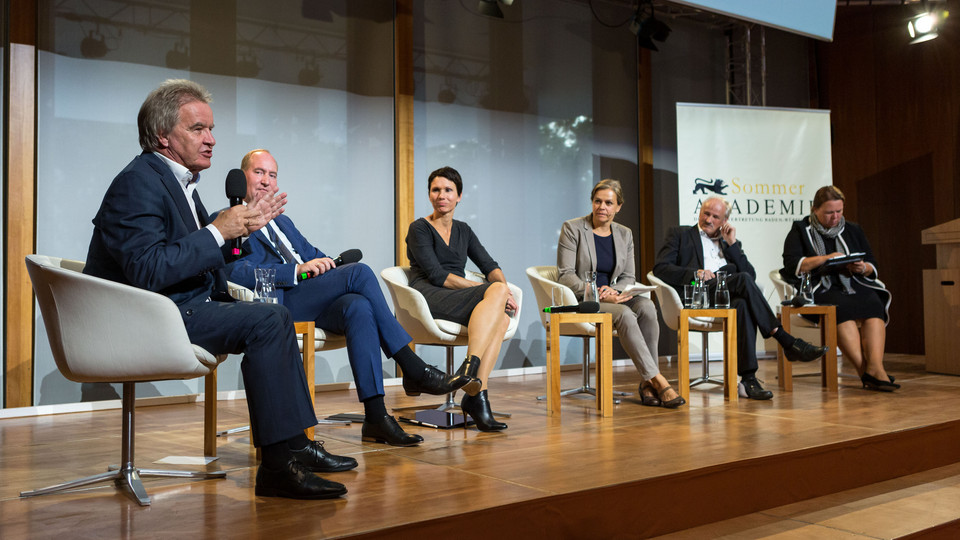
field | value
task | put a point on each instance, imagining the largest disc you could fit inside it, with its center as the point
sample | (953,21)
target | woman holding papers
(594,243)
(812,246)
(438,247)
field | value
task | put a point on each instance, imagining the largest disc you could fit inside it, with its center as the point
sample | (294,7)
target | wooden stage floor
(643,472)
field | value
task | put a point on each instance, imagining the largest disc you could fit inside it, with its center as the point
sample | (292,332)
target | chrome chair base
(127,476)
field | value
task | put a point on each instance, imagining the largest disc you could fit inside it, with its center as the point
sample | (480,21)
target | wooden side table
(729,319)
(828,335)
(604,359)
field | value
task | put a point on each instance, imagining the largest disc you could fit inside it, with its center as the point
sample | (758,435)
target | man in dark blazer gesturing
(711,246)
(345,299)
(153,232)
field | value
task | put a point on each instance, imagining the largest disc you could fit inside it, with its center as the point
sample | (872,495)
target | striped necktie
(281,247)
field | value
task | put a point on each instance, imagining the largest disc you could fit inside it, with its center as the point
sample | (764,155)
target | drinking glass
(688,291)
(264,289)
(721,296)
(806,290)
(590,287)
(556,296)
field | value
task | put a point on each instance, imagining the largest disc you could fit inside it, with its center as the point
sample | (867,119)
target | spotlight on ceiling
(446,94)
(310,74)
(178,57)
(926,25)
(248,66)
(646,26)
(491,9)
(93,45)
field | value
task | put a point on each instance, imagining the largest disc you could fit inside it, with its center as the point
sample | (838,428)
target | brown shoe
(648,396)
(673,403)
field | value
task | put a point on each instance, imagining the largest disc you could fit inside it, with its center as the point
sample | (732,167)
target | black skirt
(451,304)
(865,304)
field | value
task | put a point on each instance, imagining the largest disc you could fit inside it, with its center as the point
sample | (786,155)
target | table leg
(828,335)
(553,369)
(730,356)
(784,367)
(683,358)
(604,356)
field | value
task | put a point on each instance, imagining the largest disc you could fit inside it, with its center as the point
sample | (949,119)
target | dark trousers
(753,312)
(277,392)
(348,300)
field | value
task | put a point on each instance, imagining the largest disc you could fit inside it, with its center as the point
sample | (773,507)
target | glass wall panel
(310,81)
(532,110)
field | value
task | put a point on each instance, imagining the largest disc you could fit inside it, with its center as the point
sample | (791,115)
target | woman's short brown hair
(608,183)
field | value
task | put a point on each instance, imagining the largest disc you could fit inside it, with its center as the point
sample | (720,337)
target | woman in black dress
(438,247)
(861,299)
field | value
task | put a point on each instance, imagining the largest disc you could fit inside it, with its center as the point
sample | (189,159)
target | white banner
(767,162)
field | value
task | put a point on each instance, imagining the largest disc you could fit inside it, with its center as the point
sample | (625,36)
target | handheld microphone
(347,257)
(582,307)
(236,188)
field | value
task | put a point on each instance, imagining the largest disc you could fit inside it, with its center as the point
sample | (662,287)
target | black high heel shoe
(872,383)
(433,381)
(478,407)
(469,369)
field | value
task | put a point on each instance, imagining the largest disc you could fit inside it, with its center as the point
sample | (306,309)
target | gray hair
(726,204)
(160,112)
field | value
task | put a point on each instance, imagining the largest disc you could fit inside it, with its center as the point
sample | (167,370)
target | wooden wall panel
(895,114)
(20,225)
(403,124)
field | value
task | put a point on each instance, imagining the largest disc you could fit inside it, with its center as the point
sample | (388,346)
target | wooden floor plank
(539,458)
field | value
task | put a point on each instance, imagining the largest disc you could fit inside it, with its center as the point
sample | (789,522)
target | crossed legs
(487,326)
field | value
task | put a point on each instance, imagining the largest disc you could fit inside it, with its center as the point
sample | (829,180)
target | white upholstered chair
(101,331)
(670,306)
(799,326)
(543,279)
(414,315)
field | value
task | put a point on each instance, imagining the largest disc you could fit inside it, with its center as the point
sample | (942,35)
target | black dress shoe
(754,391)
(316,459)
(386,430)
(872,383)
(801,351)
(470,368)
(433,381)
(478,407)
(294,481)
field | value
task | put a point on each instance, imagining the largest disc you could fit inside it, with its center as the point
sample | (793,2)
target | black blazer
(682,255)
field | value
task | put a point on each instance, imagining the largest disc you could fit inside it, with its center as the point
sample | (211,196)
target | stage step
(922,505)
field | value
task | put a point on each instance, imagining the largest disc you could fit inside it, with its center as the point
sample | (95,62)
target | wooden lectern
(941,299)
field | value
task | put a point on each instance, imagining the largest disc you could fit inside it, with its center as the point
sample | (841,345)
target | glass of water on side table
(265,289)
(688,291)
(721,295)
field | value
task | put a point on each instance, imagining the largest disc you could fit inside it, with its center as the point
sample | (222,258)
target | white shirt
(713,258)
(188,182)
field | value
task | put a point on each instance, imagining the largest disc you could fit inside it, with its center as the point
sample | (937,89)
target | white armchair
(670,306)
(413,313)
(103,331)
(544,279)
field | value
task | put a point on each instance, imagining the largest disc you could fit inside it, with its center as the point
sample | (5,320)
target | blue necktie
(285,252)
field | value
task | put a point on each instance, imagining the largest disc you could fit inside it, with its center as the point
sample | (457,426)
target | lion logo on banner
(702,185)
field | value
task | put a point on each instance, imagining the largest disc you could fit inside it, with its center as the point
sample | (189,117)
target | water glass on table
(721,295)
(265,289)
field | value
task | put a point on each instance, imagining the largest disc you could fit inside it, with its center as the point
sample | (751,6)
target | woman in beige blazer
(594,243)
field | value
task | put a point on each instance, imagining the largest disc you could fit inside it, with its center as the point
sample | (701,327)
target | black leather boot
(478,407)
(469,369)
